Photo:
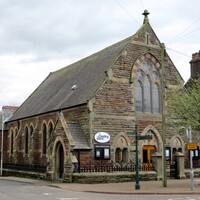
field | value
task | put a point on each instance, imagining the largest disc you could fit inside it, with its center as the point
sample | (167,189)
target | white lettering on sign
(102,137)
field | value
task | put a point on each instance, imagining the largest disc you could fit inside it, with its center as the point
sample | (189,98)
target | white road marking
(47,194)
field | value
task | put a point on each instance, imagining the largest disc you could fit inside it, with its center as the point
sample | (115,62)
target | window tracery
(147,90)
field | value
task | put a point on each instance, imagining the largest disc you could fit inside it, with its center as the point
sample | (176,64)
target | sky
(41,36)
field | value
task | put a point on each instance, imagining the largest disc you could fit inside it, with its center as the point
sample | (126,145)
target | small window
(44,139)
(168,153)
(102,152)
(50,129)
(26,141)
(196,154)
(11,142)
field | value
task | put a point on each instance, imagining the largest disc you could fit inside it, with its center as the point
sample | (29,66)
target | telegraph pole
(163,85)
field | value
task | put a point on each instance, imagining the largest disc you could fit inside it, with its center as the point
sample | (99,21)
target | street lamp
(189,136)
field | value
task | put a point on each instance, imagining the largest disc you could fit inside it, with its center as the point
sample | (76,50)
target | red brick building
(84,114)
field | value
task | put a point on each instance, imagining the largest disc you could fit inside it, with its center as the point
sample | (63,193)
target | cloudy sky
(41,36)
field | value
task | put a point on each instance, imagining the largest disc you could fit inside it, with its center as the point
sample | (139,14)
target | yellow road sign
(191,146)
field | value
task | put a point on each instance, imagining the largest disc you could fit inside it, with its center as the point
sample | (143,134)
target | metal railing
(115,167)
(25,167)
(196,164)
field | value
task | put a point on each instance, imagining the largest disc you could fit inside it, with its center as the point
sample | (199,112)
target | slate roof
(78,136)
(86,76)
(7,112)
(56,92)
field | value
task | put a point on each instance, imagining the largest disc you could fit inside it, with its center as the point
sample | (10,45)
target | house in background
(5,113)
(84,114)
(195,74)
(195,65)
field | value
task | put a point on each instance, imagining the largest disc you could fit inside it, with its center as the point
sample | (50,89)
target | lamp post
(191,164)
(189,136)
(2,129)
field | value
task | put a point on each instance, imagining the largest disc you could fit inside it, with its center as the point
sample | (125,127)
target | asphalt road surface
(10,190)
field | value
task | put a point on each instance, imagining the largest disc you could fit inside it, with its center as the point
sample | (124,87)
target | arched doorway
(149,147)
(177,145)
(59,161)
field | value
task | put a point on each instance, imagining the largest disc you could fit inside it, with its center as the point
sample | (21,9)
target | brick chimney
(195,65)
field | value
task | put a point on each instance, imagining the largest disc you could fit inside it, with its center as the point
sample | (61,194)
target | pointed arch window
(26,141)
(44,139)
(147,93)
(31,131)
(11,142)
(156,98)
(139,96)
(50,129)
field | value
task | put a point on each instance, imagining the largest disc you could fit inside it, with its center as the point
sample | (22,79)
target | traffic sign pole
(137,181)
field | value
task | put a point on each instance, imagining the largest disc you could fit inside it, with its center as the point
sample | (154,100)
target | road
(10,190)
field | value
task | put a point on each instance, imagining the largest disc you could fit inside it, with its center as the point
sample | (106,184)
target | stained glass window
(156,99)
(139,96)
(147,93)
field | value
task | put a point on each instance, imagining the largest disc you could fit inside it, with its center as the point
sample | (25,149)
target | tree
(184,104)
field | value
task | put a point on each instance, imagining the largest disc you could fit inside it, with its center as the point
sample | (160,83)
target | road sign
(144,137)
(191,146)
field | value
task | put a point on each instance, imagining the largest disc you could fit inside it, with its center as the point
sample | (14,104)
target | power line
(127,11)
(180,35)
(178,52)
(192,33)
(141,4)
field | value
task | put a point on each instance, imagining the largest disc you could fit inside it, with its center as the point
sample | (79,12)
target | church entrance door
(148,150)
(59,161)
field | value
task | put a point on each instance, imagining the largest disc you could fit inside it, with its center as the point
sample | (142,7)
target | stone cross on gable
(146,19)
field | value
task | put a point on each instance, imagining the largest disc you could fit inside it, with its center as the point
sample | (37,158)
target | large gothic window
(147,91)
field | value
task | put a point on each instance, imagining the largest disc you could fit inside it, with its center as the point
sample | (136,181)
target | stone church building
(84,114)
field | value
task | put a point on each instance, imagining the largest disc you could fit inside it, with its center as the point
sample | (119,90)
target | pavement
(174,186)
